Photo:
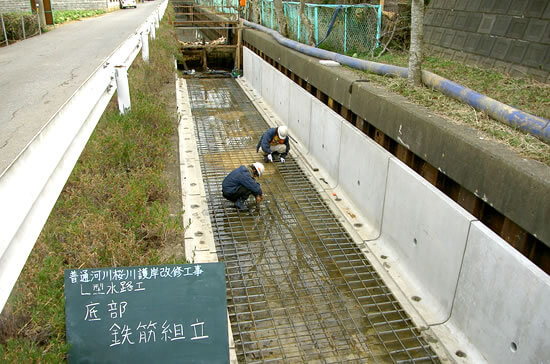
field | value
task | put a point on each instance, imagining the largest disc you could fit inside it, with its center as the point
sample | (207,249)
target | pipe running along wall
(534,125)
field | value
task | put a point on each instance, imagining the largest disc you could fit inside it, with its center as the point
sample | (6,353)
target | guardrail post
(152,31)
(123,91)
(157,21)
(144,47)
(39,23)
(4,29)
(23,27)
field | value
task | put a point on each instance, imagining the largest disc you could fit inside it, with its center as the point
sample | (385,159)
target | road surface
(41,73)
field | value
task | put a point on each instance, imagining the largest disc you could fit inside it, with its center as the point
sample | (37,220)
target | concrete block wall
(483,299)
(7,6)
(79,4)
(25,5)
(511,36)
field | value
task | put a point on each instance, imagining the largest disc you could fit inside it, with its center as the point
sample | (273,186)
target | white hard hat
(259,168)
(282,131)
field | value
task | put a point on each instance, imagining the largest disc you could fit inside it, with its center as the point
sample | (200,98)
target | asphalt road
(39,75)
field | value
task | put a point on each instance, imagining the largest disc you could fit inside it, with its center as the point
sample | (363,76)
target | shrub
(63,16)
(14,25)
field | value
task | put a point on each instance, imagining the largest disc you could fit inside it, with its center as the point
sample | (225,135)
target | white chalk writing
(133,274)
(91,312)
(146,332)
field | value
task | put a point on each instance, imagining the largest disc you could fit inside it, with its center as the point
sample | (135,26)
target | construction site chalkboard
(165,313)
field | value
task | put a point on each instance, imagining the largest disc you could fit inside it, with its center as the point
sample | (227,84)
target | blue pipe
(331,25)
(534,125)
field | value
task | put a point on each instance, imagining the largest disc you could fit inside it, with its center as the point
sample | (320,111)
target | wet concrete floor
(298,287)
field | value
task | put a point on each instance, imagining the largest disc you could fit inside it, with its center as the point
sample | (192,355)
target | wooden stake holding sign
(167,313)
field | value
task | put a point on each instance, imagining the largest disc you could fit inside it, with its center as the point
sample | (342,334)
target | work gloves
(270,158)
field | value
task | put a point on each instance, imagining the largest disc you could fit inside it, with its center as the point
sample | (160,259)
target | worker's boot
(241,205)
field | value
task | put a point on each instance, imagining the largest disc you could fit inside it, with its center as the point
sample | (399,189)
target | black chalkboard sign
(163,314)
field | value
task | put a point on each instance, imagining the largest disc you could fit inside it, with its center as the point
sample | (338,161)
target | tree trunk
(256,11)
(391,6)
(307,24)
(281,19)
(417,35)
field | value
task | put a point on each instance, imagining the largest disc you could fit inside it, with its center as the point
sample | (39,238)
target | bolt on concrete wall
(511,36)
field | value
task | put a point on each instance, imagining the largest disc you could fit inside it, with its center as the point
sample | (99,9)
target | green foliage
(14,23)
(63,16)
(116,209)
(522,93)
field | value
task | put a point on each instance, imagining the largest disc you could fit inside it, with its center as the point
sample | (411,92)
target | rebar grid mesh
(299,289)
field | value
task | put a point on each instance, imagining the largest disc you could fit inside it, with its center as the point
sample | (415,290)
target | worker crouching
(274,141)
(240,183)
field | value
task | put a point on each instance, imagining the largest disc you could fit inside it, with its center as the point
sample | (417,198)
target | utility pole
(42,13)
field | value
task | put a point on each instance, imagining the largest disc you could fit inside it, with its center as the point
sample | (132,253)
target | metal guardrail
(31,184)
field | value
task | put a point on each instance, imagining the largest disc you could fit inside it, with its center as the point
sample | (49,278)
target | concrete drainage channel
(299,287)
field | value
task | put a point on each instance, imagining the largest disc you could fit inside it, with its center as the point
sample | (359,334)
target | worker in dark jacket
(274,140)
(238,185)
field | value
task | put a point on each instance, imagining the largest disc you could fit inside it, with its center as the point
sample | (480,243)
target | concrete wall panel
(486,5)
(268,75)
(502,301)
(326,130)
(257,77)
(363,168)
(252,69)
(429,246)
(501,6)
(248,70)
(461,5)
(281,95)
(517,7)
(299,115)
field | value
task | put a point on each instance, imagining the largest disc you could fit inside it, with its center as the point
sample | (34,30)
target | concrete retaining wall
(467,283)
(511,36)
(25,5)
(7,6)
(79,4)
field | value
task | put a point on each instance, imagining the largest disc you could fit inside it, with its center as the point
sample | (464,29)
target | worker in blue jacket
(240,183)
(274,140)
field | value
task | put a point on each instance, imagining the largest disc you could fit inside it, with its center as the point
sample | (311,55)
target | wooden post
(238,48)
(204,62)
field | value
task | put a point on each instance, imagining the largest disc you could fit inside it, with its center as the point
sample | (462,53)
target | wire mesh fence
(223,6)
(339,28)
(18,26)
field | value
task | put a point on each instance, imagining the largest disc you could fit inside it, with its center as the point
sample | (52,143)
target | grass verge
(120,207)
(524,94)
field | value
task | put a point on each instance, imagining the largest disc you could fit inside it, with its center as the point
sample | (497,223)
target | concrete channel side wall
(471,283)
(517,188)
